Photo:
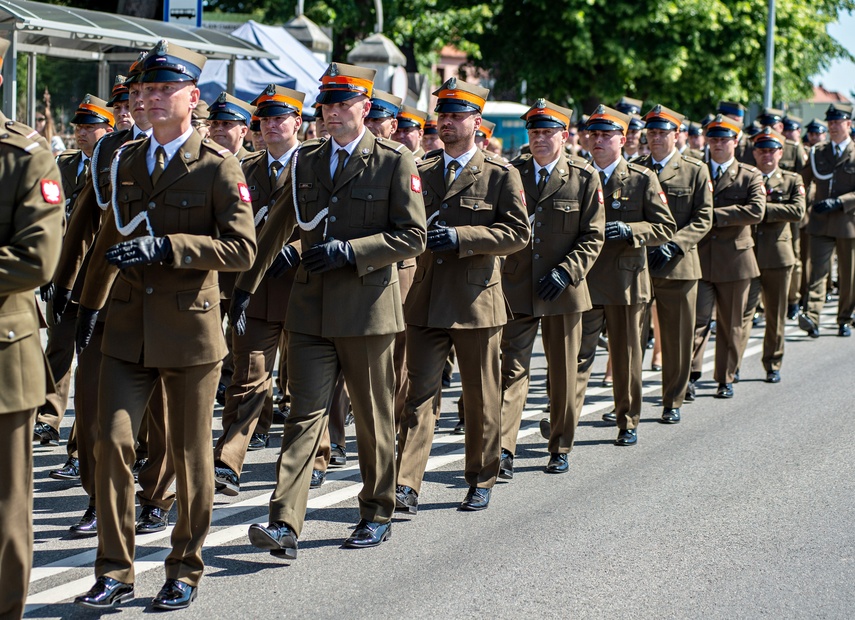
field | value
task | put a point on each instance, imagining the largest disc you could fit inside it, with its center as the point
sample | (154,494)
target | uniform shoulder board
(789,173)
(581,164)
(253,156)
(637,168)
(520,160)
(216,148)
(492,158)
(694,161)
(313,143)
(391,144)
(20,141)
(25,131)
(432,154)
(67,154)
(749,167)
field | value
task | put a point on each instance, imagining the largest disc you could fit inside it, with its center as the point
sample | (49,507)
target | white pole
(770,54)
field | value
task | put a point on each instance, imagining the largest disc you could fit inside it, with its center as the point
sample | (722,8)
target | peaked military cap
(816,126)
(459,96)
(119,92)
(411,117)
(200,112)
(545,114)
(731,108)
(608,119)
(722,127)
(168,62)
(135,69)
(768,138)
(92,111)
(341,82)
(628,105)
(278,101)
(839,112)
(770,116)
(384,105)
(228,108)
(792,123)
(486,129)
(430,126)
(636,122)
(661,117)
(695,129)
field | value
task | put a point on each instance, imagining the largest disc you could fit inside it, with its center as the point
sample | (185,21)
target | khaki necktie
(657,168)
(274,173)
(342,159)
(84,172)
(718,174)
(603,178)
(836,151)
(159,164)
(451,173)
(541,182)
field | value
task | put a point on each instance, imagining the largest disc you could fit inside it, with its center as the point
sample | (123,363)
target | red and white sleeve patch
(709,186)
(243,190)
(522,196)
(801,190)
(416,183)
(663,198)
(51,191)
(600,196)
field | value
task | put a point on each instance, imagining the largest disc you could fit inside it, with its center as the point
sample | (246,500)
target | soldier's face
(280,131)
(606,146)
(344,120)
(257,140)
(431,142)
(682,138)
(767,159)
(697,142)
(411,137)
(382,127)
(228,134)
(839,130)
(633,137)
(87,135)
(722,149)
(457,128)
(792,134)
(122,114)
(169,103)
(815,137)
(546,143)
(661,142)
(135,98)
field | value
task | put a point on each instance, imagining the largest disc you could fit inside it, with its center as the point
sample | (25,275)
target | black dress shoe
(174,595)
(610,417)
(476,499)
(792,311)
(368,534)
(506,465)
(258,441)
(557,464)
(655,367)
(545,428)
(459,429)
(137,468)
(281,413)
(809,325)
(773,376)
(338,455)
(844,331)
(45,434)
(69,471)
(277,538)
(725,390)
(690,392)
(87,526)
(226,480)
(627,437)
(671,415)
(221,394)
(318,478)
(152,519)
(406,499)
(736,376)
(446,380)
(106,593)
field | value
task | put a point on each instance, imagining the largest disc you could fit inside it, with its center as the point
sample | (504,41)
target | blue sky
(841,75)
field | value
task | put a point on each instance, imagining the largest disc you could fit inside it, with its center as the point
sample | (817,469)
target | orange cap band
(294,103)
(724,123)
(548,112)
(413,117)
(609,118)
(98,110)
(344,82)
(488,133)
(461,94)
(665,115)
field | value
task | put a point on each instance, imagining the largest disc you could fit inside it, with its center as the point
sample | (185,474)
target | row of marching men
(384,261)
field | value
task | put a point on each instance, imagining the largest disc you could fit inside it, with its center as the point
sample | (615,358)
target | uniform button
(470,252)
(152,204)
(487,281)
(539,209)
(149,290)
(183,203)
(370,196)
(385,282)
(206,304)
(332,218)
(539,224)
(536,256)
(438,261)
(187,260)
(474,207)
(369,268)
(442,222)
(334,199)
(11,334)
(444,205)
(537,239)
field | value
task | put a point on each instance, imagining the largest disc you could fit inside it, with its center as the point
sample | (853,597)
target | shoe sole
(338,462)
(401,507)
(226,488)
(545,428)
(124,598)
(142,532)
(556,471)
(470,508)
(58,476)
(458,431)
(667,421)
(78,534)
(260,539)
(354,545)
(504,474)
(724,396)
(168,607)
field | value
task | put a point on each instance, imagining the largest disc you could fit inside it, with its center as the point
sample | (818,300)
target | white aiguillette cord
(322,214)
(821,177)
(94,168)
(140,217)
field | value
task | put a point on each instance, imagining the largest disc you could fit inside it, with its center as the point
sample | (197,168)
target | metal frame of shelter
(53,30)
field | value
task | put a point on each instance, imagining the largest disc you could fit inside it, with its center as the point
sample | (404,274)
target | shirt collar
(549,167)
(286,157)
(665,161)
(724,167)
(843,144)
(170,147)
(462,159)
(137,132)
(608,170)
(350,146)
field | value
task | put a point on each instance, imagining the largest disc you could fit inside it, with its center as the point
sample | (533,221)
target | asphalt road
(743,510)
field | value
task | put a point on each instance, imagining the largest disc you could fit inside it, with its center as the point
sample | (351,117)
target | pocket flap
(200,300)
(16,326)
(475,203)
(483,277)
(565,205)
(381,277)
(419,275)
(129,194)
(744,243)
(370,193)
(121,290)
(185,200)
(632,263)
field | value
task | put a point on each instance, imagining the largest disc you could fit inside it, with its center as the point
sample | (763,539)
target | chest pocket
(369,207)
(565,216)
(184,212)
(308,199)
(130,202)
(475,211)
(679,198)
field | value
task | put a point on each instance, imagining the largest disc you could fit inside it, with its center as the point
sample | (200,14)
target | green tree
(687,54)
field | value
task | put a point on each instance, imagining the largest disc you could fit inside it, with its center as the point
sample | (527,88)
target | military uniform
(686,183)
(31,222)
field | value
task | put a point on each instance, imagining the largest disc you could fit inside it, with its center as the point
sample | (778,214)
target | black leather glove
(618,230)
(140,251)
(46,292)
(237,310)
(442,239)
(328,256)
(827,206)
(61,297)
(86,319)
(657,258)
(553,284)
(288,258)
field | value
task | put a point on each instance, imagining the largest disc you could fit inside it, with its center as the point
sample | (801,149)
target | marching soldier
(477,208)
(259,320)
(727,260)
(410,131)
(120,104)
(816,131)
(382,120)
(484,133)
(183,208)
(545,282)
(637,217)
(674,266)
(30,238)
(773,246)
(228,121)
(430,139)
(200,119)
(831,170)
(696,142)
(357,200)
(91,121)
